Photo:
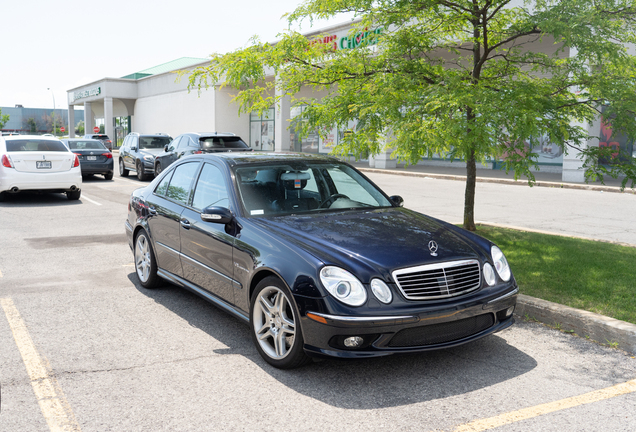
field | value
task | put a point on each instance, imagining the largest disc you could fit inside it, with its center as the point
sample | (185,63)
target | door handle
(185,223)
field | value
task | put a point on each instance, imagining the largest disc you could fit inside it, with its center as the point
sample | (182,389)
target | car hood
(374,241)
(153,152)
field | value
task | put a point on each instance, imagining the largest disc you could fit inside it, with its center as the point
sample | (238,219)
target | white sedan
(38,163)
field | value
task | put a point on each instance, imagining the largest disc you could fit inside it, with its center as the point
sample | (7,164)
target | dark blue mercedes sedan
(316,258)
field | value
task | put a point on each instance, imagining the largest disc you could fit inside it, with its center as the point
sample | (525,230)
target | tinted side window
(174,144)
(185,142)
(179,188)
(211,188)
(162,188)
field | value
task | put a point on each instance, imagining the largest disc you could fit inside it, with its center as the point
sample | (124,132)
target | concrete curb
(598,188)
(587,324)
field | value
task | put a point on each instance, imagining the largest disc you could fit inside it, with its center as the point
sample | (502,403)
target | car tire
(2,196)
(275,325)
(122,169)
(73,195)
(145,262)
(158,169)
(108,176)
(140,171)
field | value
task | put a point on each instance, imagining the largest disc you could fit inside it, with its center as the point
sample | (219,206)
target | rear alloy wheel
(122,169)
(145,262)
(275,325)
(73,195)
(140,171)
(158,169)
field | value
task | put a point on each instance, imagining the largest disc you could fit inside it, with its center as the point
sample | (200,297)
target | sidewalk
(546,179)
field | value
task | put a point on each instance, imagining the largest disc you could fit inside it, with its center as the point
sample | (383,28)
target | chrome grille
(437,281)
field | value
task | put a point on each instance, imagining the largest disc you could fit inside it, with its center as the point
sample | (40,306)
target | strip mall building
(155,100)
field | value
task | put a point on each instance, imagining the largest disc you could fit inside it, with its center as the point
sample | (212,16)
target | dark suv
(138,152)
(197,143)
(103,138)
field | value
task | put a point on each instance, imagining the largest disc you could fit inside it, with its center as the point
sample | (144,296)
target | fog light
(509,311)
(353,342)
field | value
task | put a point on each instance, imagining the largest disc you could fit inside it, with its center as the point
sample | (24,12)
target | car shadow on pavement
(359,384)
(37,199)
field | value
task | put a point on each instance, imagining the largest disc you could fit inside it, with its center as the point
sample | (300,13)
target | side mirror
(215,214)
(165,148)
(133,148)
(398,200)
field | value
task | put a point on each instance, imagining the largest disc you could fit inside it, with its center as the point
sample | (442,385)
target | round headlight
(343,286)
(381,291)
(489,274)
(501,264)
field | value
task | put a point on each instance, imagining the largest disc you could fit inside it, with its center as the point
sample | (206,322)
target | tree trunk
(469,196)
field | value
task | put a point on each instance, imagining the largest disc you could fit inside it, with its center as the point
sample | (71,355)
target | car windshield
(86,145)
(305,187)
(153,142)
(35,145)
(211,143)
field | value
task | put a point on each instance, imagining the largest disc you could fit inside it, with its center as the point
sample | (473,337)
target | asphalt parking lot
(85,347)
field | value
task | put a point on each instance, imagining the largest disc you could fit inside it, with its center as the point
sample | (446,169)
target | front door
(205,246)
(165,206)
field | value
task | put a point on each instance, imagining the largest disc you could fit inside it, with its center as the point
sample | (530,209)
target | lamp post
(53,94)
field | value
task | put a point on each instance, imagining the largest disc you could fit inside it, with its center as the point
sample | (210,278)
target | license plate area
(91,158)
(43,164)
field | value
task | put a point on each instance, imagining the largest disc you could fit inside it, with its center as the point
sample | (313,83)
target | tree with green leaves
(31,125)
(475,80)
(4,119)
(79,129)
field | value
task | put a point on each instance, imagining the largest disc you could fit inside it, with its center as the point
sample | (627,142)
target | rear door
(39,156)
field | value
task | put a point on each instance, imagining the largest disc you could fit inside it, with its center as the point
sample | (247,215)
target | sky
(60,45)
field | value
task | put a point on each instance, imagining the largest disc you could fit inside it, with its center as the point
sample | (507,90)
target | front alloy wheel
(145,262)
(275,325)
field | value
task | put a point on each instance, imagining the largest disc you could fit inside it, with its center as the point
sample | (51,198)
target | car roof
(212,134)
(81,139)
(247,158)
(22,137)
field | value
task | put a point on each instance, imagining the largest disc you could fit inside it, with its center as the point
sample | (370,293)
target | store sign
(95,91)
(365,38)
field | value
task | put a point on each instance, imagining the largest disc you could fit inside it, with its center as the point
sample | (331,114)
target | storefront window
(262,130)
(122,128)
(307,144)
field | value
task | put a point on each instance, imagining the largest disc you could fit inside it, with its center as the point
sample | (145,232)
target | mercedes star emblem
(432,246)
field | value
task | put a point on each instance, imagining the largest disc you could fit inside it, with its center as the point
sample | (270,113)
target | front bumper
(324,334)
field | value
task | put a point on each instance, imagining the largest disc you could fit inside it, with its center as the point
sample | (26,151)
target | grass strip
(584,274)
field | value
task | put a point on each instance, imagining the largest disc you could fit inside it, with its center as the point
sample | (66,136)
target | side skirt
(222,304)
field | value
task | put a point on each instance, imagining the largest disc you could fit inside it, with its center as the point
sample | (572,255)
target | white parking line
(84,197)
(55,408)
